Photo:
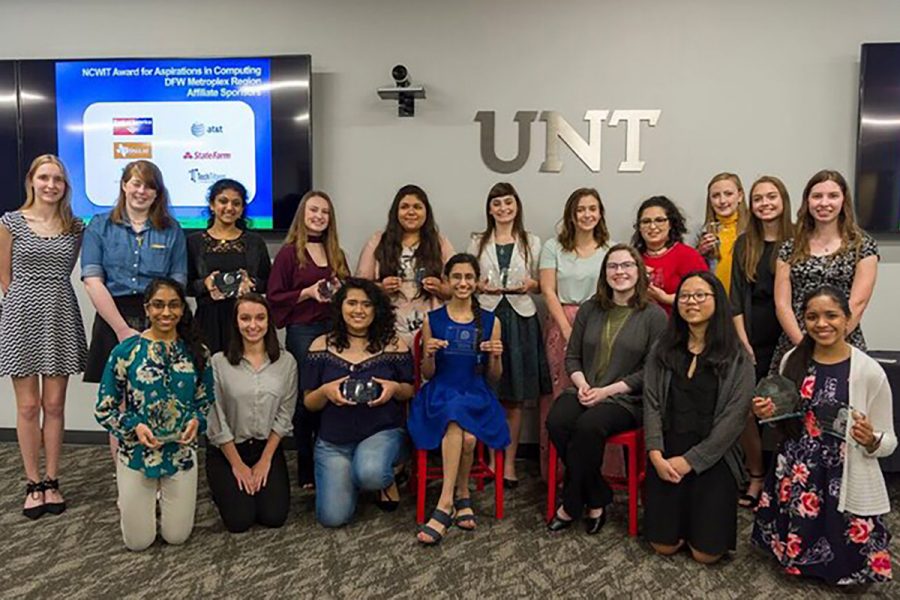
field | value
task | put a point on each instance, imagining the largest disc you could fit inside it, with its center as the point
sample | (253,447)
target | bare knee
(704,558)
(28,409)
(54,407)
(469,442)
(666,549)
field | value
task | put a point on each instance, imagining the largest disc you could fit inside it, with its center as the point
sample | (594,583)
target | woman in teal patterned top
(154,395)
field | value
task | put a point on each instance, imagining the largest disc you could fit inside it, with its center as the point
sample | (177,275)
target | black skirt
(103,338)
(214,321)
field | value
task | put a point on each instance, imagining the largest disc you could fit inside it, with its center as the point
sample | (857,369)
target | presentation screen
(198,119)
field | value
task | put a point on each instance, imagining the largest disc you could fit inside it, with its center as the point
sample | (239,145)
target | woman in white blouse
(508,257)
(256,392)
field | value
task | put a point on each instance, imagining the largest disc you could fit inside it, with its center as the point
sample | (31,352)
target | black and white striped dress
(41,331)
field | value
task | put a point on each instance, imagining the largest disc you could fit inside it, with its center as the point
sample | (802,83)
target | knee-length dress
(806,275)
(458,392)
(41,331)
(797,519)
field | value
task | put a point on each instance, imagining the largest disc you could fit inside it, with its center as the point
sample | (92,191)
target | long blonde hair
(742,211)
(64,206)
(754,236)
(298,235)
(851,234)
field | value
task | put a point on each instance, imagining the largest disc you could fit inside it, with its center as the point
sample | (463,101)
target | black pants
(239,510)
(580,435)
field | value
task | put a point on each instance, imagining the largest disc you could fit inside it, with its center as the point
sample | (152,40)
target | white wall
(762,87)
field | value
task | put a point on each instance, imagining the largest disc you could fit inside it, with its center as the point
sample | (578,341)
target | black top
(755,300)
(207,254)
(692,400)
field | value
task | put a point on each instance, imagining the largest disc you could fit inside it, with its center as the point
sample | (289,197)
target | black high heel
(593,525)
(32,488)
(54,508)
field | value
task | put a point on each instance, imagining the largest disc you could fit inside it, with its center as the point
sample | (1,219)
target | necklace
(363,336)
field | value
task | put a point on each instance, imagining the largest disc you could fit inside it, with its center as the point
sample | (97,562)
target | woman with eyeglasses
(154,395)
(698,383)
(659,237)
(611,336)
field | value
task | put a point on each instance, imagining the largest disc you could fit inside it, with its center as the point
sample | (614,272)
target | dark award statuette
(833,420)
(228,283)
(460,340)
(360,391)
(784,395)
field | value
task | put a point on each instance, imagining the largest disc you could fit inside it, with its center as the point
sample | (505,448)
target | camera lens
(400,75)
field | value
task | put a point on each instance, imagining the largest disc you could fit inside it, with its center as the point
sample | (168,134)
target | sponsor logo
(133,126)
(132,150)
(205,177)
(199,129)
(206,155)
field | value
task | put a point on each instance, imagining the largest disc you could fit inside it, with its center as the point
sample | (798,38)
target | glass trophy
(328,287)
(492,278)
(834,420)
(784,395)
(513,278)
(360,391)
(229,283)
(657,276)
(460,340)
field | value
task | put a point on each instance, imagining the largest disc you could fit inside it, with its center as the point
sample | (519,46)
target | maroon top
(286,281)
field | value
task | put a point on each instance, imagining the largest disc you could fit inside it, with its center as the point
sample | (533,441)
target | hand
(260,472)
(388,390)
(432,285)
(492,347)
(592,396)
(566,331)
(486,288)
(527,284)
(682,466)
(664,469)
(214,292)
(145,436)
(391,284)
(708,243)
(750,351)
(313,293)
(763,408)
(247,284)
(190,432)
(862,430)
(332,391)
(657,294)
(432,345)
(126,333)
(244,477)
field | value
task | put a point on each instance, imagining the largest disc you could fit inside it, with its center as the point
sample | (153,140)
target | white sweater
(863,491)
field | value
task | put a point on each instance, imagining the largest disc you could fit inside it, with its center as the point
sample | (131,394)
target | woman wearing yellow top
(726,219)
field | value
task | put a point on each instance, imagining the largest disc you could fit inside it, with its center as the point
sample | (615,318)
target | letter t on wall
(633,118)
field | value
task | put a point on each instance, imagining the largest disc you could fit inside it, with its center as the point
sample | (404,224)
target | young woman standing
(726,219)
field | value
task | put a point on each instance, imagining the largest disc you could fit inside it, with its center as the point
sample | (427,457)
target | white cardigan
(863,491)
(521,303)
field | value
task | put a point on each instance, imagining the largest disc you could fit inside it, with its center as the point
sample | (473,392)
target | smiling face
(724,197)
(654,226)
(696,301)
(227,207)
(825,202)
(358,311)
(139,196)
(766,202)
(462,279)
(621,271)
(503,209)
(48,183)
(164,310)
(587,213)
(826,321)
(317,215)
(252,321)
(411,213)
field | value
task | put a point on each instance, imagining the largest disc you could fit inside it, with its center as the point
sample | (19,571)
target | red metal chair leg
(479,460)
(551,482)
(498,484)
(633,485)
(421,480)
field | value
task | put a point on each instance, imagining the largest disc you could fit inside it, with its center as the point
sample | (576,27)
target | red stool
(423,473)
(633,441)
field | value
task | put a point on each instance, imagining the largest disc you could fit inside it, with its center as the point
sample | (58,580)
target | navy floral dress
(797,518)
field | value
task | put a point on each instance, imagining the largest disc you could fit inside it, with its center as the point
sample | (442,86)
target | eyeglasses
(174,305)
(625,266)
(658,221)
(698,297)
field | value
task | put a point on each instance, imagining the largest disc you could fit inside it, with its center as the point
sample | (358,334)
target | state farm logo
(206,155)
(133,126)
(132,150)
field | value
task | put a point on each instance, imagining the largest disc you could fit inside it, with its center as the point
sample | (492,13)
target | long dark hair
(754,235)
(640,299)
(381,332)
(677,226)
(389,248)
(467,259)
(566,235)
(219,187)
(518,230)
(235,350)
(796,367)
(851,234)
(186,328)
(721,345)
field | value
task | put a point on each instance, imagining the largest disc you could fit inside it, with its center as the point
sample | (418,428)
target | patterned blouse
(153,383)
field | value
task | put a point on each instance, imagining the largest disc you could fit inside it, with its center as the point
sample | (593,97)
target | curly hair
(677,224)
(381,332)
(186,327)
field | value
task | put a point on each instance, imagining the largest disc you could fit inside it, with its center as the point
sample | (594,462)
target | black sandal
(462,504)
(54,508)
(748,500)
(33,488)
(384,501)
(436,537)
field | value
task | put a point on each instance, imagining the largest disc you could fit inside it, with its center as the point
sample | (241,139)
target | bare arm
(5,259)
(742,335)
(495,359)
(106,307)
(783,308)
(427,367)
(861,291)
(554,306)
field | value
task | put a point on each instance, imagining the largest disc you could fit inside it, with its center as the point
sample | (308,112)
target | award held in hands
(783,393)
(460,340)
(834,420)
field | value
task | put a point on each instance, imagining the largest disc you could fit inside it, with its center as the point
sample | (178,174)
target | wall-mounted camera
(403,92)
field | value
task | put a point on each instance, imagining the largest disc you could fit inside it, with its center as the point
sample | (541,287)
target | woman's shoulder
(319,344)
(398,346)
(126,346)
(10,220)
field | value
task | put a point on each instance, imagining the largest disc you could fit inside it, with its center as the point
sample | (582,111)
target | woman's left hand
(190,432)
(492,347)
(707,243)
(432,285)
(260,472)
(247,284)
(862,430)
(388,390)
(681,465)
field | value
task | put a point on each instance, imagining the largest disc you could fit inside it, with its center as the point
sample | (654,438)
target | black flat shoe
(34,488)
(593,525)
(54,508)
(384,502)
(556,524)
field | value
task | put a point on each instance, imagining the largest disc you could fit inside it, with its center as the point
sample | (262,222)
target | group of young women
(659,333)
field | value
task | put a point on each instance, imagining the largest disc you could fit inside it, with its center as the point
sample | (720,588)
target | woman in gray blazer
(611,337)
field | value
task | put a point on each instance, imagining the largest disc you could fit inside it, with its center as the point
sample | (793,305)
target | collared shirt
(250,403)
(128,261)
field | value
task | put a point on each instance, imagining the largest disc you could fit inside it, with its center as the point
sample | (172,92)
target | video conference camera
(403,92)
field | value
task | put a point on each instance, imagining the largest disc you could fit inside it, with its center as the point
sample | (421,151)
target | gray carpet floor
(80,553)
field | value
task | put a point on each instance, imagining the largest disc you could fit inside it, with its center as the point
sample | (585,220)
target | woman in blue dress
(461,351)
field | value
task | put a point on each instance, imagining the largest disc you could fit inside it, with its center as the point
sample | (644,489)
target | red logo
(206,155)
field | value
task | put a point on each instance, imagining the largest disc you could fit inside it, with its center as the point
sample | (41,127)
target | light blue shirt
(576,277)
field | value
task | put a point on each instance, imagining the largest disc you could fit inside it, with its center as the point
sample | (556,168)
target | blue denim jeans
(342,471)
